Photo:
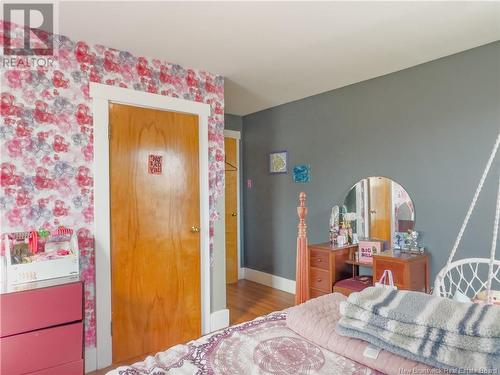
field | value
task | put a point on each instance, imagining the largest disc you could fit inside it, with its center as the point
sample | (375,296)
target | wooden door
(380,208)
(155,253)
(231,198)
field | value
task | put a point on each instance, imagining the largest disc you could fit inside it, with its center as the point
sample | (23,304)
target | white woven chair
(472,275)
(467,277)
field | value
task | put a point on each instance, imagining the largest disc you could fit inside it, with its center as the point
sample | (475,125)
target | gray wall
(233,122)
(430,128)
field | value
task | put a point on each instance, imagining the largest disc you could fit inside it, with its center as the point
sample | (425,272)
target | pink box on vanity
(41,328)
(367,248)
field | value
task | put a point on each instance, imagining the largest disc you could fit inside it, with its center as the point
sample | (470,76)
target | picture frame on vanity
(278,162)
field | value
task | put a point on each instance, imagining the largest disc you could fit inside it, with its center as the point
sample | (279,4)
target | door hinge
(109,131)
(111,328)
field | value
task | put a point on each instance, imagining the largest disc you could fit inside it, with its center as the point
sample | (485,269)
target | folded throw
(437,331)
(489,345)
(430,311)
(315,320)
(433,353)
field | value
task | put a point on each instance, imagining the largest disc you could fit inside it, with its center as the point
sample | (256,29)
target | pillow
(460,297)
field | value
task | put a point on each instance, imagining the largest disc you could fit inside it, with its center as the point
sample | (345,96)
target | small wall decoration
(155,164)
(278,162)
(302,173)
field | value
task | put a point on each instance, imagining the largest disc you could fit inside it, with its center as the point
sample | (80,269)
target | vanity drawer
(43,349)
(320,280)
(40,308)
(319,259)
(313,293)
(398,271)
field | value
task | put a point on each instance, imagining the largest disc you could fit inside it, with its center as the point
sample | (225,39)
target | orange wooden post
(302,271)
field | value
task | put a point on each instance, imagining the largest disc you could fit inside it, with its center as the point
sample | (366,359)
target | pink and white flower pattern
(261,346)
(46,137)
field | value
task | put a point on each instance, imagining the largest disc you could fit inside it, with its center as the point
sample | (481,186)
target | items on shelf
(341,229)
(334,224)
(411,243)
(40,255)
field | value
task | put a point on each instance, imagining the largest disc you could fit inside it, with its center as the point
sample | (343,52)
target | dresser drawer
(43,349)
(72,368)
(319,259)
(40,308)
(320,280)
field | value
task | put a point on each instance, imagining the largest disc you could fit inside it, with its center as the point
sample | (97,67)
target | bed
(377,331)
(261,346)
(265,345)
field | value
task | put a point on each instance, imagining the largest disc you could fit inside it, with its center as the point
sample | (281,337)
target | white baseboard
(273,281)
(90,359)
(219,319)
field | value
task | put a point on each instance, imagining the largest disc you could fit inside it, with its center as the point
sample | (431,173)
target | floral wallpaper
(46,137)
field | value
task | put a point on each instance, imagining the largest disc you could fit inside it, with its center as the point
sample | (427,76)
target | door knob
(195,229)
(234,214)
(373,211)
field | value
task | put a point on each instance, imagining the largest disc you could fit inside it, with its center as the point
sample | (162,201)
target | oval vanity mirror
(380,208)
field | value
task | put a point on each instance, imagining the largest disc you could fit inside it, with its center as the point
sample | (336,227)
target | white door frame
(101,96)
(236,134)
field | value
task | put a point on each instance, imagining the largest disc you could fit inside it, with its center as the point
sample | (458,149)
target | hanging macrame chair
(472,275)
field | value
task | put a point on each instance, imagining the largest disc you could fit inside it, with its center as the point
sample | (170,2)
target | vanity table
(375,209)
(327,265)
(332,269)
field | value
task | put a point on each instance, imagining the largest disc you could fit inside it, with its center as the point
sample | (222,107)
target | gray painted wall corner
(233,122)
(429,127)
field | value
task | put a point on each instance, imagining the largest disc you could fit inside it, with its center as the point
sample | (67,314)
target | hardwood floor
(246,300)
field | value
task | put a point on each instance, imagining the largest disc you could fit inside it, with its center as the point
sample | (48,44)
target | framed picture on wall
(302,173)
(278,162)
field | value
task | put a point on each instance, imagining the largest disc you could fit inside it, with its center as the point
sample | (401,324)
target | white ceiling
(273,53)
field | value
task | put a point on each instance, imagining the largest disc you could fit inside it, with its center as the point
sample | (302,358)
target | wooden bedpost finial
(302,199)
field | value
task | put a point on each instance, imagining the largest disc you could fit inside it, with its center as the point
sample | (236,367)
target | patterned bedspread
(262,346)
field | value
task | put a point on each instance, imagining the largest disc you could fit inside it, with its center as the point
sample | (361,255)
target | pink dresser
(41,329)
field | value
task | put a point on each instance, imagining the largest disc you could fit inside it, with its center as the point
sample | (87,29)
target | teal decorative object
(302,173)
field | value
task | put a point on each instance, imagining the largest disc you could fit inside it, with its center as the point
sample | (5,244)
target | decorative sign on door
(155,164)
